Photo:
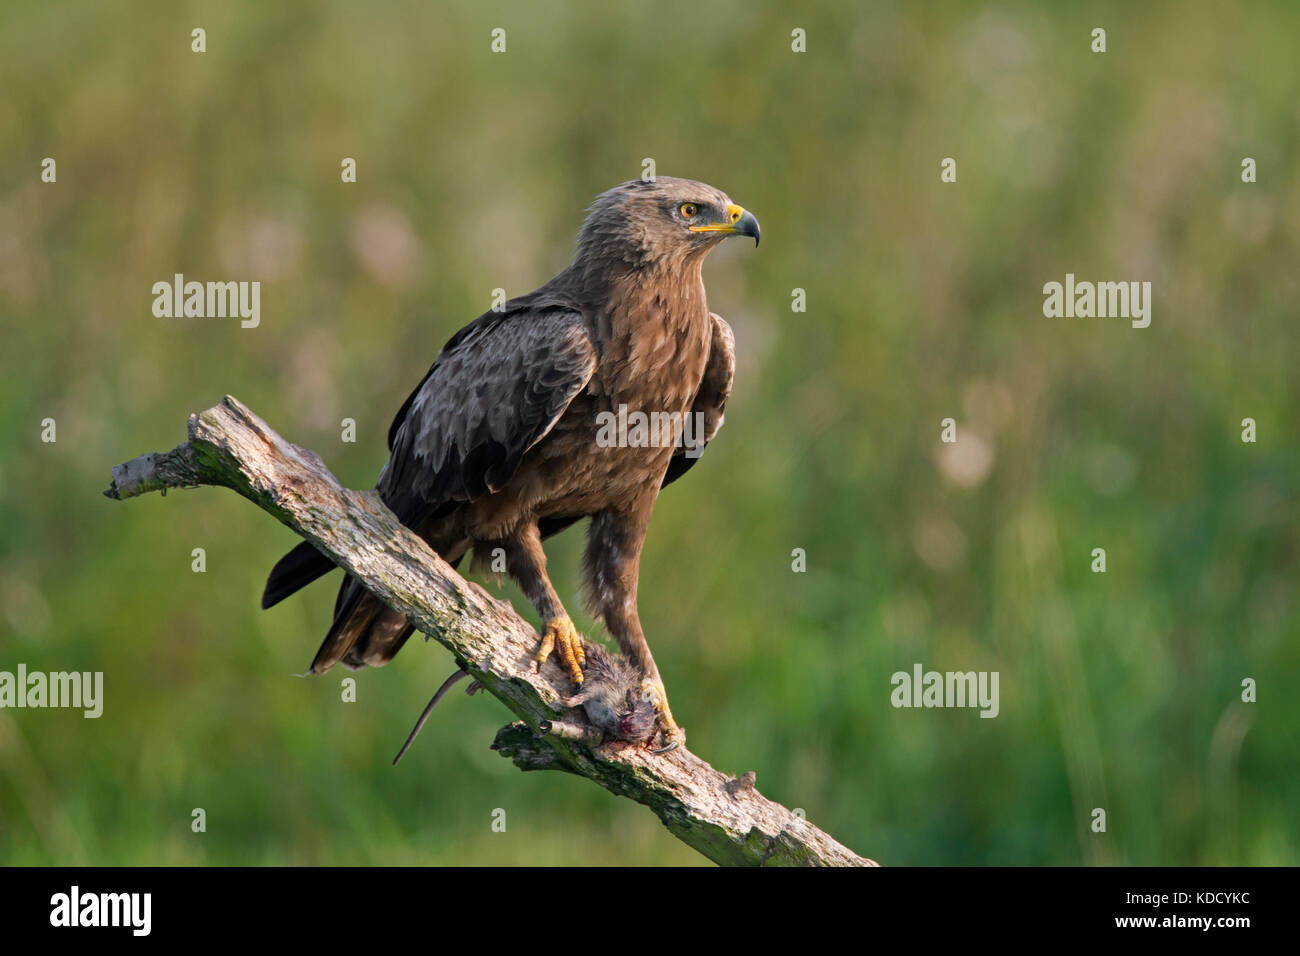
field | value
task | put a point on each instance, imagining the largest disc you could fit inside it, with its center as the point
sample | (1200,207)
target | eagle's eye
(688,210)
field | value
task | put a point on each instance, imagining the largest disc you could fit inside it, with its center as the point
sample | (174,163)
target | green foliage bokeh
(1118,691)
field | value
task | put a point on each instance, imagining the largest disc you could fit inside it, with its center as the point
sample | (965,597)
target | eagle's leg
(652,689)
(612,564)
(526,563)
(561,636)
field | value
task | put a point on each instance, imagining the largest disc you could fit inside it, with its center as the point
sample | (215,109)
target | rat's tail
(446,686)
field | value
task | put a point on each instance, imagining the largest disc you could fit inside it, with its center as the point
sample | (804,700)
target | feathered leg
(526,563)
(612,564)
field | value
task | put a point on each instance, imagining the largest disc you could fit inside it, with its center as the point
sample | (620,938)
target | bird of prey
(499,446)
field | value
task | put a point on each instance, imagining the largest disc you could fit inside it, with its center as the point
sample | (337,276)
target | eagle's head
(664,221)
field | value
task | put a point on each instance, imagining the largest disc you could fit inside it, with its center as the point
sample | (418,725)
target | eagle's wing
(496,389)
(710,400)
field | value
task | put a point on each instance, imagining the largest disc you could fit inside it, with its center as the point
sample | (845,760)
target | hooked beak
(741,222)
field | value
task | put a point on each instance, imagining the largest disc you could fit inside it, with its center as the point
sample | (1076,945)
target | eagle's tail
(297,569)
(365,632)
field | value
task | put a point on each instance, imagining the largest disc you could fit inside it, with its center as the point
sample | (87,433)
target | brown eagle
(501,444)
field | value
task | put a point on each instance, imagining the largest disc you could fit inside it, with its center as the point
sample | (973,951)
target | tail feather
(365,632)
(352,612)
(297,569)
(382,640)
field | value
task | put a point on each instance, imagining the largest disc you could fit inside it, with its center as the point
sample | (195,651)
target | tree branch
(726,819)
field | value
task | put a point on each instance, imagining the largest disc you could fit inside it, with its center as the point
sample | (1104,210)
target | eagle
(501,445)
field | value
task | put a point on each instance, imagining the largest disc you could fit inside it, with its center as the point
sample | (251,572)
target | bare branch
(726,819)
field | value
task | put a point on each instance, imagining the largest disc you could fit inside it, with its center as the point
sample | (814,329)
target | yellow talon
(653,691)
(562,637)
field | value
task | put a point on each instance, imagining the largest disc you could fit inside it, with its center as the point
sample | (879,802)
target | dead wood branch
(230,446)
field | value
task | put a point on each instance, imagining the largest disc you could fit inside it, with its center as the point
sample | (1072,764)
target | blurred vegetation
(1119,690)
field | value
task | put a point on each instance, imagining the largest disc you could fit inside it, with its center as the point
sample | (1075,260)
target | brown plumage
(498,446)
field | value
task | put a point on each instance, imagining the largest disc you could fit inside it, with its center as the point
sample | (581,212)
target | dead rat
(610,696)
(612,700)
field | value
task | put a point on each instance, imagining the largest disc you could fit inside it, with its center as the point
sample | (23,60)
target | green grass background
(1118,691)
